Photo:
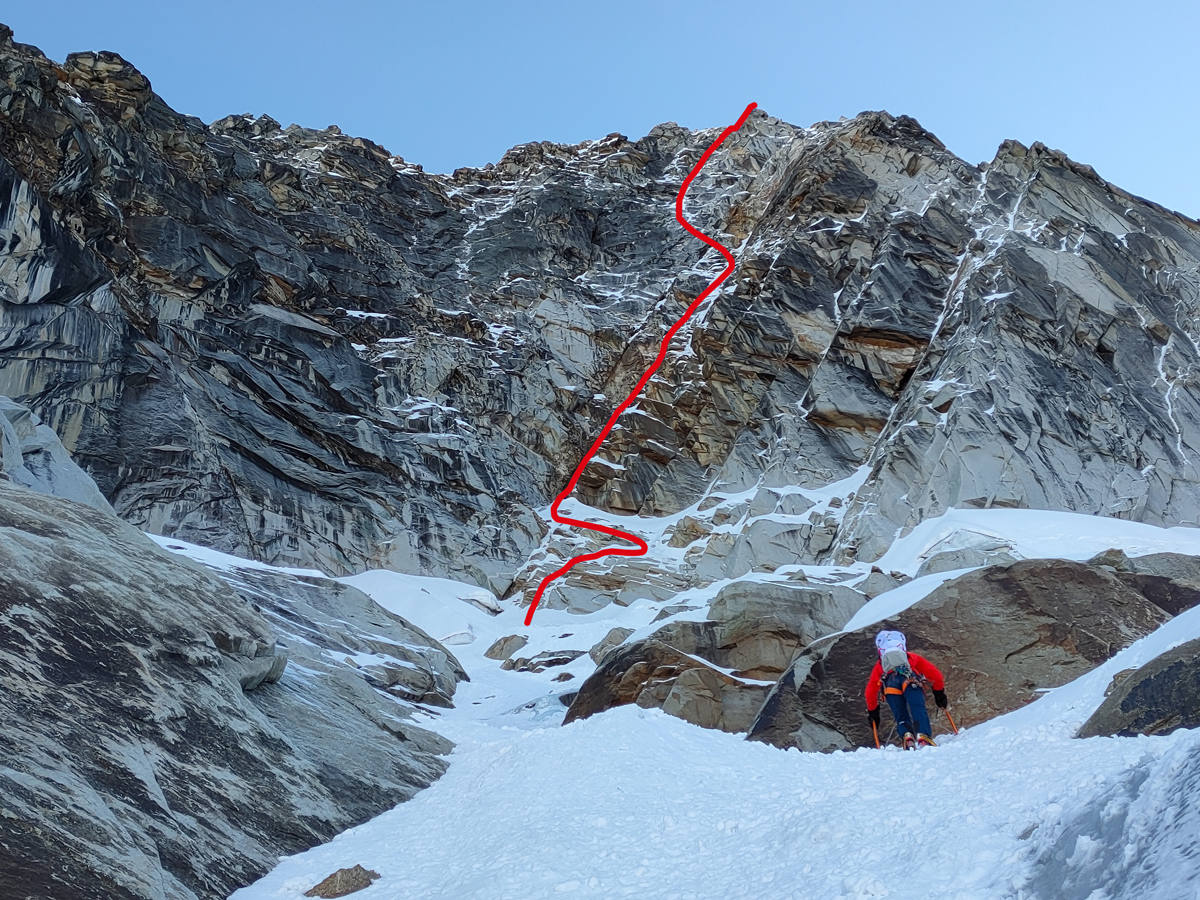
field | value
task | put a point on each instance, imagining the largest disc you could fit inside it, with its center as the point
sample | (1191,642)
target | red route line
(641,547)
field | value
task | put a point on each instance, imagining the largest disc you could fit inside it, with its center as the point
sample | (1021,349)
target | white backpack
(893,652)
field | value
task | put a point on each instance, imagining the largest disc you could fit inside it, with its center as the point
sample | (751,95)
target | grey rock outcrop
(608,643)
(32,455)
(157,743)
(879,582)
(1158,698)
(332,628)
(963,558)
(504,647)
(999,635)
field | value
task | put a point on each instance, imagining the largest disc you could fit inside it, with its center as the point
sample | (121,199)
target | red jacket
(920,665)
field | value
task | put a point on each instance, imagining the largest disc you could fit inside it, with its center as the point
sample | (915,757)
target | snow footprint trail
(640,547)
(639,804)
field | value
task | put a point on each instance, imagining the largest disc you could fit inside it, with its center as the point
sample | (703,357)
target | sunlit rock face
(296,346)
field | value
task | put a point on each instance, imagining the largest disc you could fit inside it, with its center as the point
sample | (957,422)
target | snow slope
(637,803)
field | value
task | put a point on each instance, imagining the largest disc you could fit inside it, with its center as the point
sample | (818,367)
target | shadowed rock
(1170,580)
(1158,698)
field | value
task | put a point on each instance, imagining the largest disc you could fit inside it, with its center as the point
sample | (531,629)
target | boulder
(343,883)
(653,674)
(710,699)
(753,632)
(506,646)
(963,558)
(1170,580)
(1157,698)
(963,549)
(999,635)
(756,628)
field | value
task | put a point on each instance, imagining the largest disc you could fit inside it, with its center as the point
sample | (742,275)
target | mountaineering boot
(910,742)
(925,740)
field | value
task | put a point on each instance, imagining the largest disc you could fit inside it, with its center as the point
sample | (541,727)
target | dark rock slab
(547,659)
(1158,698)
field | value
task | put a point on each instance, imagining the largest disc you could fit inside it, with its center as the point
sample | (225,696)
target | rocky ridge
(379,366)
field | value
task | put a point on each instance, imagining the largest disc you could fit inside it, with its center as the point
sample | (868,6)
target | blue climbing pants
(908,708)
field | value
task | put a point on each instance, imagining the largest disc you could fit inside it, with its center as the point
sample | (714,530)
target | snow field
(635,803)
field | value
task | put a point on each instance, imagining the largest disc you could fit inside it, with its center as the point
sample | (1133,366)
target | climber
(900,676)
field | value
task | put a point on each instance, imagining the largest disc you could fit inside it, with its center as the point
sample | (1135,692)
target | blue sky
(456,83)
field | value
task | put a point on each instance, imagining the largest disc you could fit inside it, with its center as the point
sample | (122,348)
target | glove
(939,697)
(873,716)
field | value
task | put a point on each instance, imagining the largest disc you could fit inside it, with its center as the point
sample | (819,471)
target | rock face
(156,742)
(295,346)
(34,457)
(999,635)
(1158,698)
